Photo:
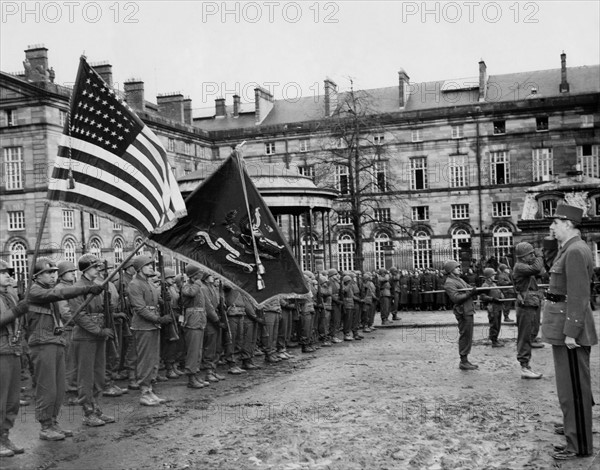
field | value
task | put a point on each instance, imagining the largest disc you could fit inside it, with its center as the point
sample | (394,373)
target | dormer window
(541,123)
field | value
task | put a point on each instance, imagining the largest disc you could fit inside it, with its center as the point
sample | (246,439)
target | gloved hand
(107,333)
(165,319)
(95,289)
(473,293)
(21,308)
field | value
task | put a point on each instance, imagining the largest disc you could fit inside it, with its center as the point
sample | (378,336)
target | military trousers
(525,326)
(209,349)
(91,366)
(285,329)
(10,390)
(270,332)
(465,334)
(336,319)
(384,303)
(70,363)
(147,348)
(49,373)
(194,342)
(495,321)
(234,344)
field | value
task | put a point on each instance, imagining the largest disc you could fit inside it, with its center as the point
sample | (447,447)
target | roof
(447,93)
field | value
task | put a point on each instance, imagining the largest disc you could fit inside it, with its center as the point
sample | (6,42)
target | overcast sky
(208,50)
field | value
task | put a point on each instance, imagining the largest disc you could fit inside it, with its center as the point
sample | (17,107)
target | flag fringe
(169,225)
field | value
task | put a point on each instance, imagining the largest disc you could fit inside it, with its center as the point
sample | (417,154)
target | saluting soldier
(10,359)
(89,344)
(47,345)
(146,322)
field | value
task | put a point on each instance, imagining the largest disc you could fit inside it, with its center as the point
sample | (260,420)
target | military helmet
(523,249)
(489,272)
(169,273)
(43,265)
(191,270)
(502,267)
(5,268)
(88,261)
(65,267)
(140,261)
(450,266)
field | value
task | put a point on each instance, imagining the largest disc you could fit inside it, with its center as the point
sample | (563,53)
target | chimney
(331,98)
(236,105)
(403,90)
(564,85)
(220,108)
(187,111)
(263,104)
(104,69)
(134,94)
(36,63)
(482,80)
(170,105)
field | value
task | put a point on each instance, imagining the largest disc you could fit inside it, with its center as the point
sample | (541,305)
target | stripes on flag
(119,166)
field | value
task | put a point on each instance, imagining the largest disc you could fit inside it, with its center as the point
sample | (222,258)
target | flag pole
(260,269)
(106,280)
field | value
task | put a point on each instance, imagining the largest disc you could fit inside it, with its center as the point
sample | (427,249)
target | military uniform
(494,306)
(194,323)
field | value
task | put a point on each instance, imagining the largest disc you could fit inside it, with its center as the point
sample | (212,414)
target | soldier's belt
(556,297)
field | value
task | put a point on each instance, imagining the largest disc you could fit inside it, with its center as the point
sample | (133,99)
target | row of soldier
(189,323)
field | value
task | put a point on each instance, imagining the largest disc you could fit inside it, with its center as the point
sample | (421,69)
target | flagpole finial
(83,56)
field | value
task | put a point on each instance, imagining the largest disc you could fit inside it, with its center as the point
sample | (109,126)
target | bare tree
(355,160)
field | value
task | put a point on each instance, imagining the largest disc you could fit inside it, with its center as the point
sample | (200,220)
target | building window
(279,220)
(307,170)
(418,173)
(269,148)
(457,171)
(502,242)
(587,120)
(501,209)
(117,226)
(344,218)
(10,117)
(541,123)
(420,213)
(378,139)
(95,247)
(16,220)
(118,251)
(304,145)
(379,177)
(342,179)
(460,211)
(460,238)
(543,164)
(500,127)
(171,145)
(94,222)
(416,136)
(421,250)
(69,251)
(499,168)
(62,117)
(346,247)
(457,132)
(307,252)
(340,143)
(549,207)
(588,159)
(187,148)
(13,168)
(383,215)
(68,218)
(18,260)
(382,240)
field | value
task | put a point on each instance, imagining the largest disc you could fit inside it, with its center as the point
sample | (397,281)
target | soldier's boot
(111,390)
(90,418)
(177,371)
(56,427)
(210,377)
(171,374)
(133,383)
(5,451)
(48,433)
(158,399)
(106,418)
(147,398)
(193,382)
(6,443)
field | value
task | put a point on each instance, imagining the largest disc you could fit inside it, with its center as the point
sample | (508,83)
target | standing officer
(146,322)
(464,309)
(505,279)
(89,345)
(527,267)
(47,344)
(10,360)
(569,327)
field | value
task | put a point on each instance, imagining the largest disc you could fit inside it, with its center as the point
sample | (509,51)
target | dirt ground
(395,400)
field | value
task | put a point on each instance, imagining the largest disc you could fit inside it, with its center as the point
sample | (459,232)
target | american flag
(109,162)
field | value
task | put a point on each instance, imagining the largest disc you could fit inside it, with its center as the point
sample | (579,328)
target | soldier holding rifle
(89,344)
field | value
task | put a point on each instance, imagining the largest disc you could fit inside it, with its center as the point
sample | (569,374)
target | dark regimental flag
(231,232)
(110,163)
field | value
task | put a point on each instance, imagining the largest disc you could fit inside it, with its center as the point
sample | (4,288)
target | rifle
(467,289)
(223,311)
(173,335)
(109,319)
